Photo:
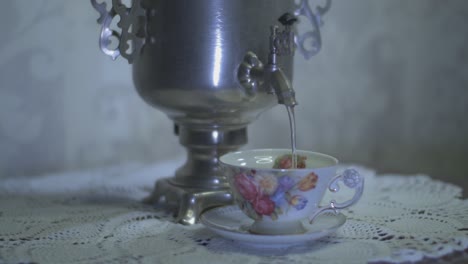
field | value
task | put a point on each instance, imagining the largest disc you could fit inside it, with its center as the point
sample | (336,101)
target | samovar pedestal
(198,185)
(186,203)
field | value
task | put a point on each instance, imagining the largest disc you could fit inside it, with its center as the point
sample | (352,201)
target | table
(96,216)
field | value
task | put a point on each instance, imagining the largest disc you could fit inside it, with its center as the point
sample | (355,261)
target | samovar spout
(281,43)
(282,88)
(252,74)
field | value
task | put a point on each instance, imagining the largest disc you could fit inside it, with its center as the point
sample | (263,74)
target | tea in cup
(278,197)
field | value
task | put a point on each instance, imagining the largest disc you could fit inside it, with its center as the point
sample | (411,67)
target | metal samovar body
(213,66)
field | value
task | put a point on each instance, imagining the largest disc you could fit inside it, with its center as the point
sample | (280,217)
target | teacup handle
(351,179)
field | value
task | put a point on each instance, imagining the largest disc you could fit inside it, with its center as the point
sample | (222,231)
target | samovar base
(186,204)
(199,184)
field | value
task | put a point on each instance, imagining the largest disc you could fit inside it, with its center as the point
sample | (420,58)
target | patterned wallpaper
(63,104)
(388,90)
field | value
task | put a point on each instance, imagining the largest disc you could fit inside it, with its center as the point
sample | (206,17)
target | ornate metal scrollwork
(132,22)
(313,36)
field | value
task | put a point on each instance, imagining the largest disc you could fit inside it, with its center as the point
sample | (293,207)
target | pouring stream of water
(292,127)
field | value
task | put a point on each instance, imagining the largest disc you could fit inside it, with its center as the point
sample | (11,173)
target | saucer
(230,222)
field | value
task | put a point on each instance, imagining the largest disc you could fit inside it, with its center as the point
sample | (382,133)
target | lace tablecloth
(97,217)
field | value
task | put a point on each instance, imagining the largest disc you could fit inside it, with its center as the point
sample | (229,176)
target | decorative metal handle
(352,179)
(133,24)
(315,19)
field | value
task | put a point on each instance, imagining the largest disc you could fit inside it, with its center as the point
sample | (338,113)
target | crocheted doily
(97,217)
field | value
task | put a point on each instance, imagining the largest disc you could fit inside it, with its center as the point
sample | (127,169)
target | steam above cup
(279,198)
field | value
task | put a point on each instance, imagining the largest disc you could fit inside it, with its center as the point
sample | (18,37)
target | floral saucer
(230,222)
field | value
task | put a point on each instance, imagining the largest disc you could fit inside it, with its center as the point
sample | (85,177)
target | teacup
(280,198)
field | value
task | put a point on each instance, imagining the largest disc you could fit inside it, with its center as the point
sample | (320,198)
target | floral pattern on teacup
(264,194)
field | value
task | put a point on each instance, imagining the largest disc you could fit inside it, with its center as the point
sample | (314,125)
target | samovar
(213,66)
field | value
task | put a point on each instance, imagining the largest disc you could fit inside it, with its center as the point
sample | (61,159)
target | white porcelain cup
(280,198)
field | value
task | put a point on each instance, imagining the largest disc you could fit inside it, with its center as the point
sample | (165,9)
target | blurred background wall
(389,90)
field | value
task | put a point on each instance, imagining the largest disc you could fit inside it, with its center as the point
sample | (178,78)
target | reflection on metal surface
(218,55)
